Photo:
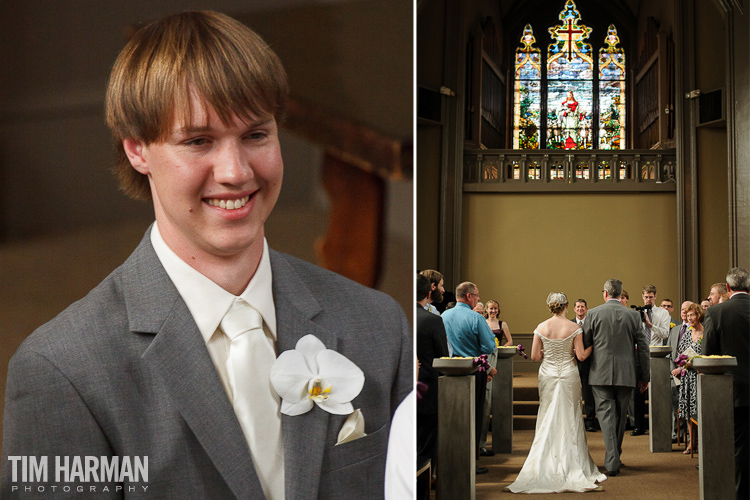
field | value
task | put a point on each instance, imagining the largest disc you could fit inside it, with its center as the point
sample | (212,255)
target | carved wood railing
(510,170)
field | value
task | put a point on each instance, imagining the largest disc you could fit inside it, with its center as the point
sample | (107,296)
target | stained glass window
(577,101)
(527,99)
(611,93)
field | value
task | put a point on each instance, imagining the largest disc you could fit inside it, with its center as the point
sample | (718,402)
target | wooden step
(525,407)
(524,422)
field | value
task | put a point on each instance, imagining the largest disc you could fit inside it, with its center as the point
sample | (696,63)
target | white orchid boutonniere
(311,374)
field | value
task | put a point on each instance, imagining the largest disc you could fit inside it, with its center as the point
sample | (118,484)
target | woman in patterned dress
(689,381)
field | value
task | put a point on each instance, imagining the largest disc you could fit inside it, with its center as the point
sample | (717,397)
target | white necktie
(256,404)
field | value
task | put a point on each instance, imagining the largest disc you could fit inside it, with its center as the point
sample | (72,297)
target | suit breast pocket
(358,451)
(355,467)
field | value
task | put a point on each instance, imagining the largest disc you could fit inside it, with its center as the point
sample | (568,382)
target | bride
(559,459)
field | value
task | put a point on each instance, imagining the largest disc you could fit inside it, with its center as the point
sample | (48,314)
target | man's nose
(232,165)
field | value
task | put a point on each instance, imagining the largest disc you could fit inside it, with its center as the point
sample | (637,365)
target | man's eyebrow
(193,129)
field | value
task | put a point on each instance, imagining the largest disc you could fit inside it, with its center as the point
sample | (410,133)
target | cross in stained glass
(570,32)
(566,35)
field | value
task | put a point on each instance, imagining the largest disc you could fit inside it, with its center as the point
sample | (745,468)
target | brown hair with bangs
(207,54)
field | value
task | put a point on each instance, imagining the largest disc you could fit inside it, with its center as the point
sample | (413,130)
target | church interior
(346,142)
(522,222)
(564,143)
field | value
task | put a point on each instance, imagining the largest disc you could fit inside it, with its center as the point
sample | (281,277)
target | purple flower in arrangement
(482,363)
(681,361)
(521,351)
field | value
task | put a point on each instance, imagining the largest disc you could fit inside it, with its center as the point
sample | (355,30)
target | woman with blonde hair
(498,327)
(559,458)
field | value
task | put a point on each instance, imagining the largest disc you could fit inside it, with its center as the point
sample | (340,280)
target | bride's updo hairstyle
(557,302)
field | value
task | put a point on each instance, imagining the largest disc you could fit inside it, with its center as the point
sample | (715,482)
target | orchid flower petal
(344,377)
(310,346)
(294,409)
(336,408)
(289,376)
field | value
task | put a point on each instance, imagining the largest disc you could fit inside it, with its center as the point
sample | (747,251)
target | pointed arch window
(567,98)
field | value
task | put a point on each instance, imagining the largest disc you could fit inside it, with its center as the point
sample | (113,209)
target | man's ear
(134,151)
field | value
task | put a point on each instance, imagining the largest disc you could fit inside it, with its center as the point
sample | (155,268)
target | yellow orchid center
(317,392)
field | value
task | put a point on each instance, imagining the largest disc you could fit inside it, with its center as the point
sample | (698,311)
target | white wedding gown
(559,458)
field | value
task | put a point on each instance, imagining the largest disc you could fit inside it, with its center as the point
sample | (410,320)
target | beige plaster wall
(519,247)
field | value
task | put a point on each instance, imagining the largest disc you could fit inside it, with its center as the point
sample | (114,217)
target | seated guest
(690,345)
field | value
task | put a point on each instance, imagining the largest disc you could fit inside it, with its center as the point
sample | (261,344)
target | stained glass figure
(570,83)
(527,98)
(612,93)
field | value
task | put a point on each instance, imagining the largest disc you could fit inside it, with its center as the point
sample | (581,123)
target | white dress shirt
(208,303)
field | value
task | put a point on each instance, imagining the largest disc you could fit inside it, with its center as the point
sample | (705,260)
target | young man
(437,290)
(150,364)
(656,325)
(581,308)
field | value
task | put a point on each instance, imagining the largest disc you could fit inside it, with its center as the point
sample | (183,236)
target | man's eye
(257,136)
(198,141)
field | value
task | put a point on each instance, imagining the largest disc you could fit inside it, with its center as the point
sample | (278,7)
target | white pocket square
(353,428)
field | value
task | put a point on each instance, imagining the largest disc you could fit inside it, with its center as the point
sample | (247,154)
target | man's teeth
(228,204)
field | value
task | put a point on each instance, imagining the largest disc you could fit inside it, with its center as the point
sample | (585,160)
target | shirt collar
(737,293)
(207,301)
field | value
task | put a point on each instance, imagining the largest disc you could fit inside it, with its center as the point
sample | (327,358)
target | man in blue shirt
(467,330)
(470,336)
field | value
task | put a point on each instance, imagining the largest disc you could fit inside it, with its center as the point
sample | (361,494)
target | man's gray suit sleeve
(644,355)
(405,376)
(45,416)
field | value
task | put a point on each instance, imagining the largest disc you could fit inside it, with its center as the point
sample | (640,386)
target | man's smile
(227,203)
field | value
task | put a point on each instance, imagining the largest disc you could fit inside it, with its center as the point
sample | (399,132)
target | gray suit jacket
(672,342)
(125,372)
(614,331)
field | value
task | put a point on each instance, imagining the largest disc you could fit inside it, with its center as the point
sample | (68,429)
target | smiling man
(174,356)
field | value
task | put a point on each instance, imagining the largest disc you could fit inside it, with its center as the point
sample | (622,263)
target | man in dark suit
(615,331)
(431,344)
(726,331)
(589,419)
(159,360)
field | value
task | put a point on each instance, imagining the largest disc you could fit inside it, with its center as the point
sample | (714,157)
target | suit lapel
(305,436)
(179,355)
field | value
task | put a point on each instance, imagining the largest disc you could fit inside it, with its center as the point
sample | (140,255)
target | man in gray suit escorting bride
(614,331)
